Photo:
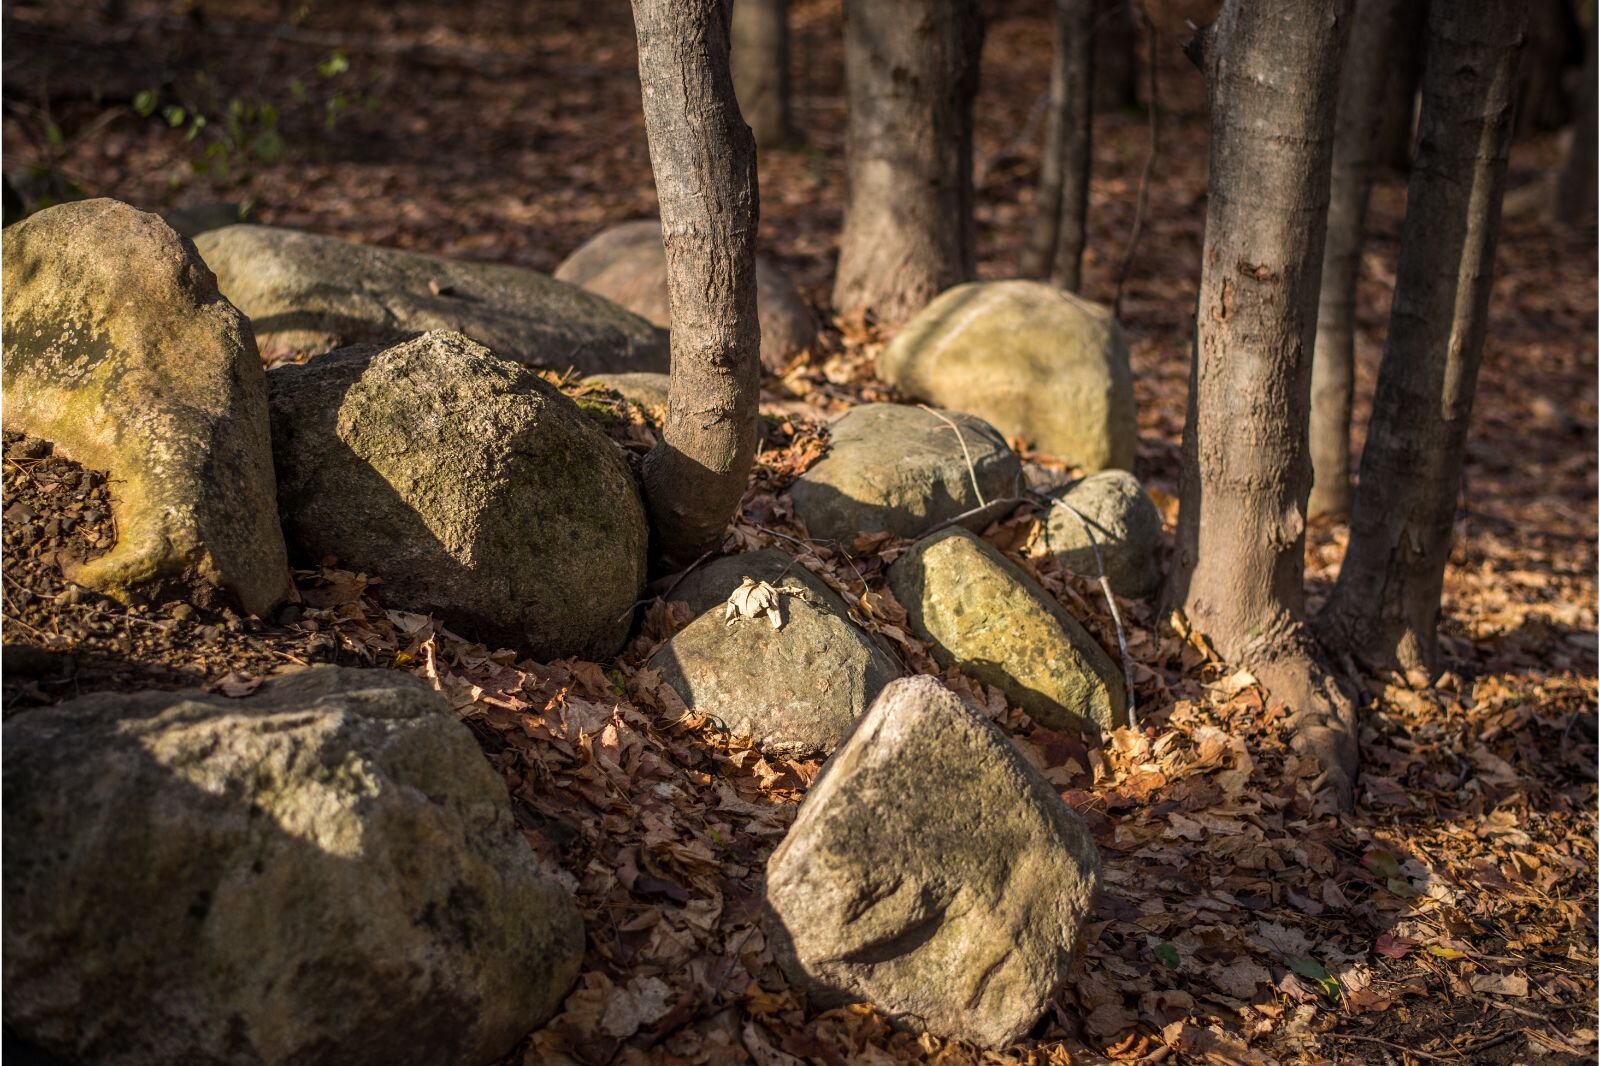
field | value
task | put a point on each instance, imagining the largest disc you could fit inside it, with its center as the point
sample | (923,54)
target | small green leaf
(268,146)
(52,133)
(144,104)
(175,115)
(1168,955)
(333,66)
(1315,971)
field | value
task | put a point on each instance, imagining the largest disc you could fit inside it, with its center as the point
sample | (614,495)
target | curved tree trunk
(1385,608)
(911,68)
(1056,247)
(1355,143)
(761,69)
(1272,73)
(704,161)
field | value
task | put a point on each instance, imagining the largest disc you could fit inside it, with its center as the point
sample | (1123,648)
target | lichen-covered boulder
(1125,526)
(325,871)
(795,689)
(308,293)
(932,872)
(902,469)
(1039,363)
(473,488)
(987,618)
(119,349)
(628,265)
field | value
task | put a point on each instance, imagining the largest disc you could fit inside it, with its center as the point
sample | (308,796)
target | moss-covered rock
(1039,363)
(1125,526)
(119,349)
(628,265)
(472,487)
(325,871)
(904,470)
(309,293)
(933,872)
(987,618)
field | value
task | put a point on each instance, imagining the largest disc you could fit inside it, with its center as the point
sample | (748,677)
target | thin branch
(972,471)
(1111,602)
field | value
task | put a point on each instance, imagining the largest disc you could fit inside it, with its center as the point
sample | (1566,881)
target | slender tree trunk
(761,69)
(1272,73)
(911,68)
(1575,186)
(1056,248)
(1384,610)
(1116,56)
(1399,111)
(1355,143)
(704,161)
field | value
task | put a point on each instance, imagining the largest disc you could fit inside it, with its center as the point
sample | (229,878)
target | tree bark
(1575,186)
(704,161)
(1056,247)
(911,70)
(761,69)
(1272,74)
(1384,610)
(1355,143)
(1399,110)
(1116,56)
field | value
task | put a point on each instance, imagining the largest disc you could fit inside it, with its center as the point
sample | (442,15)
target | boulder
(993,622)
(1125,524)
(795,689)
(932,872)
(195,219)
(710,584)
(119,349)
(645,389)
(472,487)
(325,871)
(309,293)
(628,265)
(904,470)
(1039,363)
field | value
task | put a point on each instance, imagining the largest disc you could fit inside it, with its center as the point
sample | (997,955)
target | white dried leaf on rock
(755,599)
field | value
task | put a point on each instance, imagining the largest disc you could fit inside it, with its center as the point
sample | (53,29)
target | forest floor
(1451,918)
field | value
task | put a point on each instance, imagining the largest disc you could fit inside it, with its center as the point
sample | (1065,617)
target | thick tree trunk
(1056,247)
(1355,143)
(761,69)
(1575,187)
(911,68)
(1116,56)
(1384,610)
(704,161)
(1272,72)
(1399,111)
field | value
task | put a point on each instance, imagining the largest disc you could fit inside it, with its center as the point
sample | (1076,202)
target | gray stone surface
(1039,363)
(472,487)
(711,583)
(1125,525)
(645,389)
(325,871)
(901,469)
(308,293)
(933,872)
(119,349)
(993,622)
(794,690)
(628,265)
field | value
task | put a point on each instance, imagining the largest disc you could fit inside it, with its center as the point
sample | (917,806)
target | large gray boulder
(119,349)
(471,486)
(306,293)
(1039,363)
(1124,524)
(325,871)
(795,689)
(933,872)
(627,264)
(710,584)
(904,470)
(993,622)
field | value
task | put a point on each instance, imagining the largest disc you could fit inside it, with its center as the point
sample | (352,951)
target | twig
(971,469)
(1149,167)
(1388,1044)
(1111,602)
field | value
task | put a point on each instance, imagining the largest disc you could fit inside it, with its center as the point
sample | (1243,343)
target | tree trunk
(1575,187)
(704,161)
(1399,111)
(1272,74)
(1116,56)
(1553,45)
(911,69)
(1384,610)
(1056,247)
(761,69)
(1355,143)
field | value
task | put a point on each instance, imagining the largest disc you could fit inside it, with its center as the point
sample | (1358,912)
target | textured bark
(704,161)
(1575,187)
(1272,72)
(1056,246)
(1355,143)
(1399,111)
(761,69)
(1384,610)
(911,68)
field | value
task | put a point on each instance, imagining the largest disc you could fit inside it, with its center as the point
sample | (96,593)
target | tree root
(1322,723)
